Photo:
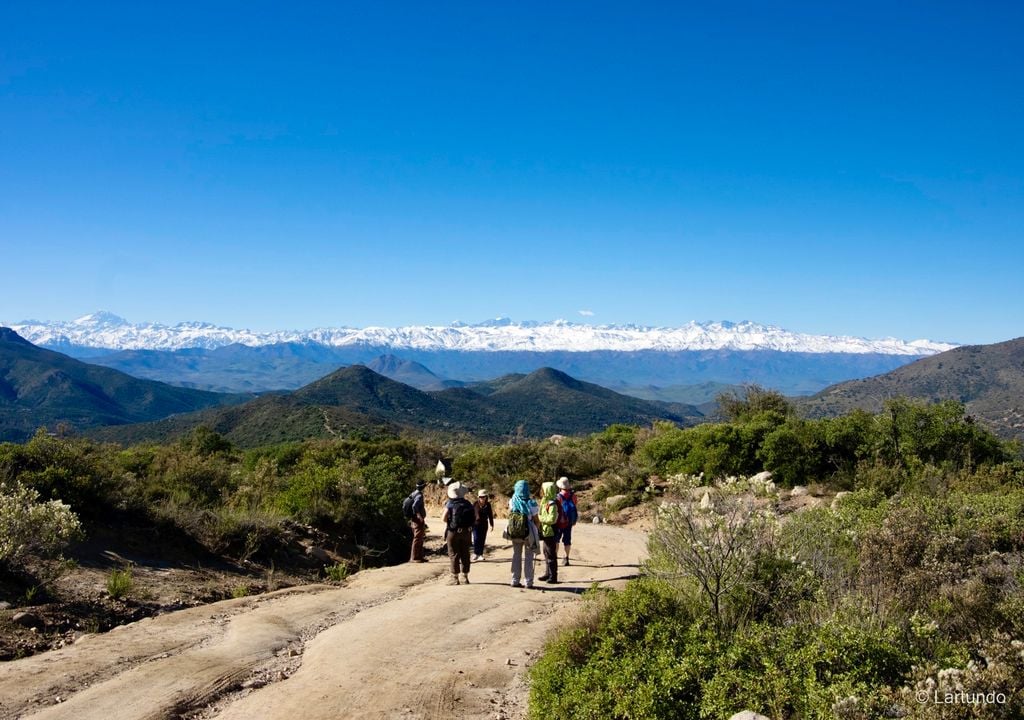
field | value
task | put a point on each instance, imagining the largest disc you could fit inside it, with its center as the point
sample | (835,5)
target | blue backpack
(569,514)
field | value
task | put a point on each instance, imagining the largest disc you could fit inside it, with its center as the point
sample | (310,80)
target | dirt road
(391,643)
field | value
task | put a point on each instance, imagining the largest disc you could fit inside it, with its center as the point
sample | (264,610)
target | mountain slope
(411,373)
(988,379)
(356,400)
(40,387)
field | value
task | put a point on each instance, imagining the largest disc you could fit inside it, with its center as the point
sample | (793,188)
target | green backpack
(518,526)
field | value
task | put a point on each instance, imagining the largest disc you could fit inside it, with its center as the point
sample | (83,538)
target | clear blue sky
(850,168)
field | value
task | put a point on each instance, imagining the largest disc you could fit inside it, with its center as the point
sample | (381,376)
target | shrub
(120,583)
(30,527)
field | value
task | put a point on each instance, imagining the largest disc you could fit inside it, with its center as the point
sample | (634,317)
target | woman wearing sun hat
(459,518)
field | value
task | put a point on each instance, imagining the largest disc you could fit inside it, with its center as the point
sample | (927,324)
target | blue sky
(848,168)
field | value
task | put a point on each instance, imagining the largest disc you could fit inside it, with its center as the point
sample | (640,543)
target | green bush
(120,583)
(29,526)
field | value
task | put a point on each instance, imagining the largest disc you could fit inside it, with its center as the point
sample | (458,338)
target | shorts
(564,535)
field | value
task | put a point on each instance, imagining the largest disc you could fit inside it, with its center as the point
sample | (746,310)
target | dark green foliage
(752,403)
(886,451)
(44,388)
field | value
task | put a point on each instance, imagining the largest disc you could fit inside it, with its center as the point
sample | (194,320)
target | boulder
(27,619)
(798,491)
(705,502)
(762,477)
(749,715)
(839,496)
(318,553)
(597,519)
(614,500)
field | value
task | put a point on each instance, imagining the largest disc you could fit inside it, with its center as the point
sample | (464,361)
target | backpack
(408,506)
(569,512)
(460,514)
(518,526)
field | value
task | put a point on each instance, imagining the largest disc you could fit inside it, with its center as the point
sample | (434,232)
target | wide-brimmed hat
(456,490)
(482,493)
(563,483)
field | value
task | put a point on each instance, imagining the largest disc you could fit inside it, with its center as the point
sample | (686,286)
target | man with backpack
(416,513)
(459,518)
(570,514)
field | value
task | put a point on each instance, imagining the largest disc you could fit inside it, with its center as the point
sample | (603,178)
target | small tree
(713,550)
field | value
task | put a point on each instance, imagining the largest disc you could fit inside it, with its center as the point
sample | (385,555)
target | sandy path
(392,643)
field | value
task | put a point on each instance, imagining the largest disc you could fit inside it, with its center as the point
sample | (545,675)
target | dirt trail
(392,643)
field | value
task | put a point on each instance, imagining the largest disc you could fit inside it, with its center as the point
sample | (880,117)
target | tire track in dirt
(392,643)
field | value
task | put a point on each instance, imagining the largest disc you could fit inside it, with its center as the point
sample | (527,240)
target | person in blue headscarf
(522,509)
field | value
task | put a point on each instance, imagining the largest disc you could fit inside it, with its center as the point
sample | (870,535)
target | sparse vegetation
(120,583)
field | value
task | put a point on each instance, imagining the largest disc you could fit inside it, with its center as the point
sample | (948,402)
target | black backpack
(461,514)
(409,504)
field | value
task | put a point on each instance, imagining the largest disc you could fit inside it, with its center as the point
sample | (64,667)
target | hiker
(484,518)
(550,512)
(416,513)
(563,531)
(521,530)
(459,518)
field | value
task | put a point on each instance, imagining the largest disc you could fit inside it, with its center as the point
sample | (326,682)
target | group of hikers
(532,525)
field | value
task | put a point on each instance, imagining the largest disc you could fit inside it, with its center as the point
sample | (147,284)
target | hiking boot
(465,578)
(453,580)
(543,577)
(566,561)
(518,585)
(553,581)
(529,586)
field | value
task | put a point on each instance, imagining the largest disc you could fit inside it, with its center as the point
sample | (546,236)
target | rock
(839,496)
(27,619)
(597,519)
(762,477)
(614,500)
(798,491)
(5,605)
(705,502)
(318,553)
(749,715)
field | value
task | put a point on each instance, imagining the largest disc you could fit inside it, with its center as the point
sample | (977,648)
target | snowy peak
(108,331)
(100,318)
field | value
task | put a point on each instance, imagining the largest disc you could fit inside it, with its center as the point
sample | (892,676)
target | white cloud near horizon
(586,313)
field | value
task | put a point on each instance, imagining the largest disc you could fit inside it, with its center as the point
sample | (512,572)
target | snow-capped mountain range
(104,330)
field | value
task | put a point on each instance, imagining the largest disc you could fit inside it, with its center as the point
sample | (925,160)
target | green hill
(45,388)
(987,379)
(357,400)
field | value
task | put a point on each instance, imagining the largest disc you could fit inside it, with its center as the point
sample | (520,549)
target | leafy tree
(754,401)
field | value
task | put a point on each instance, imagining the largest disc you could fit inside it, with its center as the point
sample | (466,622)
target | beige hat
(456,490)
(482,493)
(563,483)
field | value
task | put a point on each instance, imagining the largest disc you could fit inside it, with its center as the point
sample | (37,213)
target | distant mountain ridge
(104,330)
(40,387)
(987,379)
